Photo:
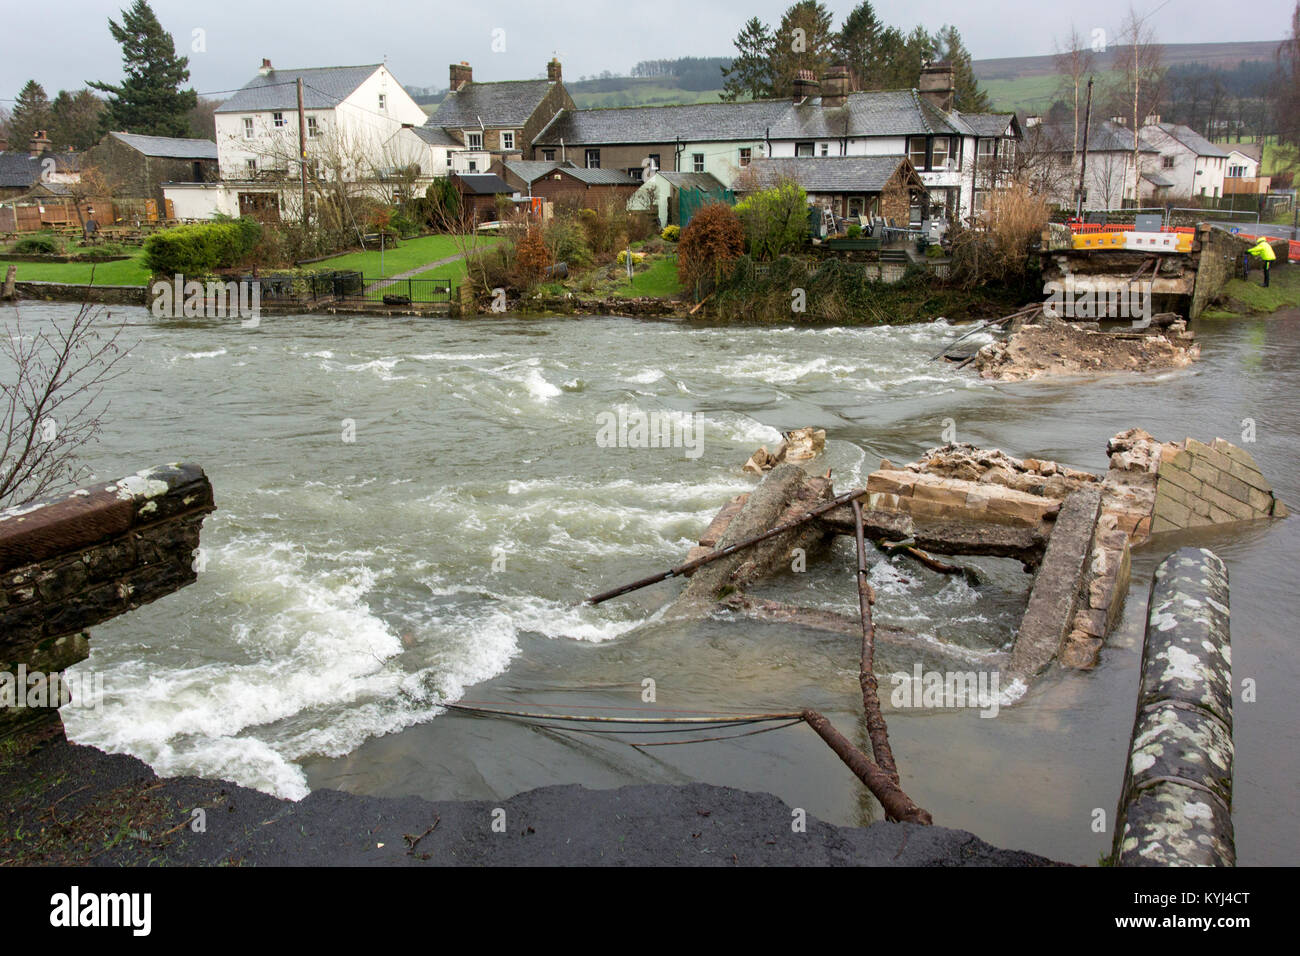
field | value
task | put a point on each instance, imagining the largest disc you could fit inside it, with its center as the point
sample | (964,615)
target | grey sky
(419,39)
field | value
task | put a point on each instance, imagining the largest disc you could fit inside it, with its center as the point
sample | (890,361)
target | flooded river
(410,509)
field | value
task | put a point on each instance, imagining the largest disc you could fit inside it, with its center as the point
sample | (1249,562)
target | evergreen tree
(969,97)
(859,46)
(912,53)
(31,112)
(750,73)
(75,119)
(804,41)
(149,100)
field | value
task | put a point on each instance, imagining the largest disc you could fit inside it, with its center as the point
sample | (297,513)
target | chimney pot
(40,142)
(805,85)
(266,67)
(553,71)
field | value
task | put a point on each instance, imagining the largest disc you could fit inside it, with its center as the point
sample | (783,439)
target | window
(313,128)
(383,101)
(593,159)
(251,165)
(697,162)
(987,150)
(654,163)
(548,155)
(939,152)
(1167,162)
(248,127)
(472,166)
(279,119)
(916,152)
(745,156)
(635,172)
(803,149)
(508,140)
(826,149)
(449,159)
(474,140)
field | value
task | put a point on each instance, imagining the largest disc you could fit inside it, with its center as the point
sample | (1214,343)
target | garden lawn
(658,280)
(122,272)
(409,254)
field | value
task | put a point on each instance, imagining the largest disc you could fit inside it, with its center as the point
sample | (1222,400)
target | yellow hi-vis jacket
(1262,250)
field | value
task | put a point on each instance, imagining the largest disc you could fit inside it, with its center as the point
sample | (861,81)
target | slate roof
(1192,140)
(484,184)
(532,170)
(601,177)
(1103,137)
(324,87)
(170,147)
(880,113)
(435,136)
(19,170)
(831,174)
(1253,151)
(988,124)
(663,124)
(504,104)
(1156,179)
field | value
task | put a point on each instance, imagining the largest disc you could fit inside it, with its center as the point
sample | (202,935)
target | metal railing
(415,291)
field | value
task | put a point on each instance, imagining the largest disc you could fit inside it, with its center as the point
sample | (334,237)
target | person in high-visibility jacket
(1264,253)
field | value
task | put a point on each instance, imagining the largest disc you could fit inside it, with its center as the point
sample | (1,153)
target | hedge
(201,248)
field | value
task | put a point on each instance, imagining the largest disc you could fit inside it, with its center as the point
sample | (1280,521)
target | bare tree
(1073,64)
(52,377)
(1142,77)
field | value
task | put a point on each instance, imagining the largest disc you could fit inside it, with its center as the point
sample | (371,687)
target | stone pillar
(1176,805)
(74,560)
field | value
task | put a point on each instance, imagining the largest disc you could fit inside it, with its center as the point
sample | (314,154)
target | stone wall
(70,292)
(1199,484)
(1218,260)
(75,560)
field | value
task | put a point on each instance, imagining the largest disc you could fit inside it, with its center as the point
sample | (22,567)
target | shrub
(1000,246)
(201,248)
(531,258)
(567,241)
(775,219)
(709,246)
(671,233)
(854,231)
(39,244)
(638,258)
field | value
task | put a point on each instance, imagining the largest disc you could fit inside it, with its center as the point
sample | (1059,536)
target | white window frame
(248,127)
(697,162)
(277,118)
(250,165)
(474,139)
(313,128)
(383,101)
(746,156)
(507,139)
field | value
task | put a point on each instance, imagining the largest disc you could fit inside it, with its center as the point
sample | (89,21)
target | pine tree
(149,100)
(969,97)
(31,112)
(804,41)
(750,73)
(858,46)
(75,119)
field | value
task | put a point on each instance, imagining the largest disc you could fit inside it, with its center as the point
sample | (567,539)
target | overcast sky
(70,43)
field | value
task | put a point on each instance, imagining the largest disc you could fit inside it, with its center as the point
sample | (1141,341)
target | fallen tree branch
(898,805)
(876,728)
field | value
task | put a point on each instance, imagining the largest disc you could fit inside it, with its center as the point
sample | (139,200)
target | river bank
(72,805)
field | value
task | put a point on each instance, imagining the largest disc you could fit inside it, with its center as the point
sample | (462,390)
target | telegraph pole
(302,151)
(1083,158)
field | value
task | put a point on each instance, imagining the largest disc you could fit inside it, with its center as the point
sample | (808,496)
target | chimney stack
(1152,120)
(835,89)
(461,73)
(938,85)
(805,85)
(1119,120)
(553,70)
(266,67)
(40,142)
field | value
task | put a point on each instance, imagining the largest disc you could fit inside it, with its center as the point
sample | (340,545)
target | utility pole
(1083,161)
(302,151)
